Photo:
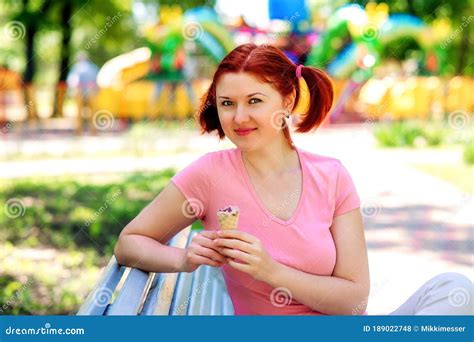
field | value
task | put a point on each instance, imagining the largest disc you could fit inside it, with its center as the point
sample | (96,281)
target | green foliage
(69,214)
(45,281)
(469,153)
(409,134)
(104,29)
(187,4)
(459,58)
(72,227)
(13,292)
(400,49)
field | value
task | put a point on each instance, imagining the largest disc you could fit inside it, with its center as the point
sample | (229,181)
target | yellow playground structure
(388,97)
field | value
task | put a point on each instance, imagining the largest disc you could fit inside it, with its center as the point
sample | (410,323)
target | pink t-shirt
(304,242)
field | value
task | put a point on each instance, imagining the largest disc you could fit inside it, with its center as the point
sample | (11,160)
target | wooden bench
(129,291)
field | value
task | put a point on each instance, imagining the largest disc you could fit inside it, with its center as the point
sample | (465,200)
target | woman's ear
(289,101)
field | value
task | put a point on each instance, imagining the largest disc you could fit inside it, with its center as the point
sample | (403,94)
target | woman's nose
(241,115)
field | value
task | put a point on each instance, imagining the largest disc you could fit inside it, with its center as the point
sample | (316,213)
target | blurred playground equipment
(351,48)
(178,49)
(10,83)
(166,77)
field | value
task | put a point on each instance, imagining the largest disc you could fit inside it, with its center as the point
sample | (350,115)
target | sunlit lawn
(460,175)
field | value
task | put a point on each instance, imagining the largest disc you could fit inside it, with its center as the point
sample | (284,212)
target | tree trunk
(463,51)
(31,28)
(28,90)
(411,8)
(64,66)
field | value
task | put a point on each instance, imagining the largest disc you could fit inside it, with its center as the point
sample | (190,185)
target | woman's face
(251,112)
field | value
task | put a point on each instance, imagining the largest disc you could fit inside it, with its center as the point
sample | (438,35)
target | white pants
(449,293)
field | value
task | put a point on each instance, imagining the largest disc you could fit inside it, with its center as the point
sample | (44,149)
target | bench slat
(212,292)
(208,293)
(100,296)
(151,299)
(216,294)
(205,291)
(227,306)
(181,297)
(132,294)
(167,281)
(198,286)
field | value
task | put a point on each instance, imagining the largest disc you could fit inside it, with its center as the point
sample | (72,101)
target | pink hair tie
(298,70)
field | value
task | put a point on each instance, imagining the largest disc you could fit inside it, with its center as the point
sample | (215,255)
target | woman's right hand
(202,251)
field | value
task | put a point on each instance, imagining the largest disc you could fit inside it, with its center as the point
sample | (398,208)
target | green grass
(459,175)
(59,232)
(68,214)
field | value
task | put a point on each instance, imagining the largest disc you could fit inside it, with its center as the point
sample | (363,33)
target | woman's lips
(245,132)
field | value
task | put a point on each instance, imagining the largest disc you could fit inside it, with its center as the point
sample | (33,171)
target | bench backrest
(124,290)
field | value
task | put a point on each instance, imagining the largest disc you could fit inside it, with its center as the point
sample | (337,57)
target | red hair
(269,64)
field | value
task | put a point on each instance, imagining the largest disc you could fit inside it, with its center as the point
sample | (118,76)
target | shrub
(469,153)
(409,134)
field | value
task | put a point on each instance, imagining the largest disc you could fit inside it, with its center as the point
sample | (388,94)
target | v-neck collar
(257,199)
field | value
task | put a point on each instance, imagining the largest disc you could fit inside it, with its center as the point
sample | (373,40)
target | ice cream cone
(228,217)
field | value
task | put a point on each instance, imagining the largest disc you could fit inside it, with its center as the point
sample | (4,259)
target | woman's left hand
(238,245)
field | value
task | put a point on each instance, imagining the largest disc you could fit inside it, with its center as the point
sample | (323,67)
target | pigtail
(320,98)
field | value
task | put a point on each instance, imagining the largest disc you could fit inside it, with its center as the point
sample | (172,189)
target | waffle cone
(228,221)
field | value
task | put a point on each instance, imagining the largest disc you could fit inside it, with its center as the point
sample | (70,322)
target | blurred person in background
(82,83)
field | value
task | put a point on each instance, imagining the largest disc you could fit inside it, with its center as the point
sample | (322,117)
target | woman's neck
(272,160)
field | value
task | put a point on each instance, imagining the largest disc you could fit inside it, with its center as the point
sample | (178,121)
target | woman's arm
(142,243)
(347,290)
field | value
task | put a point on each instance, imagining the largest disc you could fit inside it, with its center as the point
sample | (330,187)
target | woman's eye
(226,103)
(254,100)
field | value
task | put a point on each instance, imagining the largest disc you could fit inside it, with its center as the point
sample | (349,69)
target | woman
(300,233)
